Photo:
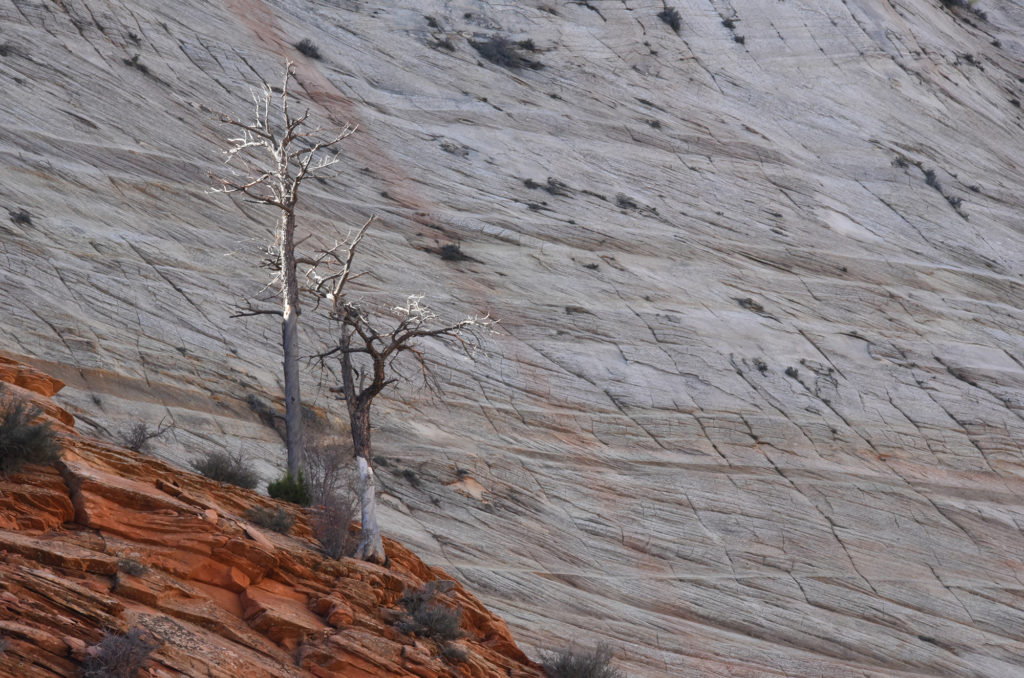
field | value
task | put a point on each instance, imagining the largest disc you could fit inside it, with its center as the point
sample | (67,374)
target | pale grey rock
(756,406)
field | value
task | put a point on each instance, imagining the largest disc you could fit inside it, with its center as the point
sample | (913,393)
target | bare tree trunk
(371,546)
(290,344)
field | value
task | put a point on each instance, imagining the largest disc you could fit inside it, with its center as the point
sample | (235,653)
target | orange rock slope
(225,597)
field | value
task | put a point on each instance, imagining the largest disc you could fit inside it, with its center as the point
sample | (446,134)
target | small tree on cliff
(275,153)
(370,342)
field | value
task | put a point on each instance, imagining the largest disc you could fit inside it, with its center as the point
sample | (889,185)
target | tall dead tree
(273,155)
(370,341)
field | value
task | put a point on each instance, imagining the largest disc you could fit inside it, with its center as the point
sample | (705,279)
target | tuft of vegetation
(136,64)
(307,47)
(277,519)
(428,618)
(625,202)
(670,15)
(22,441)
(266,413)
(3,644)
(452,252)
(969,5)
(120,655)
(505,53)
(21,218)
(131,566)
(792,372)
(412,477)
(739,39)
(136,438)
(227,468)
(330,521)
(453,652)
(291,489)
(575,663)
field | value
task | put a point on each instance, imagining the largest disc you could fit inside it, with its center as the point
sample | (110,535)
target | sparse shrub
(670,15)
(427,617)
(576,663)
(436,621)
(729,23)
(138,435)
(503,52)
(307,47)
(227,468)
(291,489)
(792,372)
(328,469)
(932,180)
(21,218)
(120,655)
(739,39)
(330,521)
(22,441)
(277,519)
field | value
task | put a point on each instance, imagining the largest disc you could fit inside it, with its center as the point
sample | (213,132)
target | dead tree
(274,154)
(368,345)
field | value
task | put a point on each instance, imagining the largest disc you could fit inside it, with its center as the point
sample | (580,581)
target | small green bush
(21,440)
(277,519)
(575,663)
(291,489)
(120,655)
(227,468)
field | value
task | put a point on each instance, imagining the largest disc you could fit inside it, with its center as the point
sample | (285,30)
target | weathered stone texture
(756,405)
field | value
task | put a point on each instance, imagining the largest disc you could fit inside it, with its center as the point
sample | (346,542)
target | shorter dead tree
(370,342)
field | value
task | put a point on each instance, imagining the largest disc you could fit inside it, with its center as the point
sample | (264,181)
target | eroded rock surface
(756,403)
(137,543)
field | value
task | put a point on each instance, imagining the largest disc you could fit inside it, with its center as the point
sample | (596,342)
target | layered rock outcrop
(756,403)
(110,540)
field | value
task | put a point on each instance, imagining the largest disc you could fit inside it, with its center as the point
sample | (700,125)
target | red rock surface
(225,597)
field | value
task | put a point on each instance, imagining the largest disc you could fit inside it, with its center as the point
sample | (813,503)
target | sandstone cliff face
(111,540)
(756,407)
